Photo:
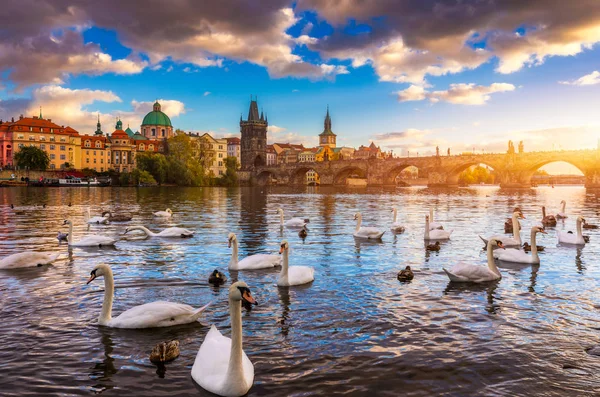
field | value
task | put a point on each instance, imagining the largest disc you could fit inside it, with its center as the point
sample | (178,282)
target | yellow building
(212,153)
(325,153)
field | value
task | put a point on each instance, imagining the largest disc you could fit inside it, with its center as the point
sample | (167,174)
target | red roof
(71,131)
(234,141)
(119,134)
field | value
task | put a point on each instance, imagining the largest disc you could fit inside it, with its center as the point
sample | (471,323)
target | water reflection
(284,299)
(103,371)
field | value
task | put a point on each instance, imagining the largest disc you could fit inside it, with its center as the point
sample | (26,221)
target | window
(220,155)
(153,131)
(220,172)
(20,136)
(101,161)
(87,160)
(52,130)
(62,147)
(42,138)
(63,157)
(41,129)
(30,129)
(52,139)
(43,147)
(62,139)
(87,152)
(142,147)
(163,132)
(52,166)
(220,147)
(116,161)
(52,156)
(98,144)
(20,145)
(95,153)
(150,147)
(87,143)
(52,147)
(94,161)
(220,163)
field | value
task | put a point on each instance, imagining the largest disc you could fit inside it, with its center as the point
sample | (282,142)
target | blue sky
(408,75)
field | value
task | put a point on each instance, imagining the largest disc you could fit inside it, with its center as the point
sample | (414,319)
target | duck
(88,241)
(569,237)
(562,214)
(590,226)
(164,214)
(517,256)
(396,227)
(406,274)
(303,232)
(365,232)
(216,278)
(165,352)
(251,262)
(28,259)
(294,222)
(178,232)
(293,275)
(433,247)
(149,315)
(469,272)
(434,225)
(435,234)
(514,241)
(548,220)
(98,220)
(117,217)
(62,237)
(508,226)
(221,365)
(527,247)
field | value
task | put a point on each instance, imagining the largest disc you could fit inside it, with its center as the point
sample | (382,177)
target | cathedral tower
(254,138)
(327,137)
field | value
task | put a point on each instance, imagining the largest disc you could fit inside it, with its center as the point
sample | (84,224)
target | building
(254,138)
(366,152)
(308,155)
(327,137)
(234,149)
(344,153)
(156,124)
(212,153)
(287,153)
(122,150)
(271,155)
(312,178)
(325,153)
(6,149)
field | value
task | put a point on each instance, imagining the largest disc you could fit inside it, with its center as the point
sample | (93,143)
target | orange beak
(92,278)
(229,244)
(248,298)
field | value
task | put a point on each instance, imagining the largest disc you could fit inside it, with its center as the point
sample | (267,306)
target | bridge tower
(327,137)
(254,138)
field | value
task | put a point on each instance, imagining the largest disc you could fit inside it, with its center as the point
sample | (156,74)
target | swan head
(67,222)
(169,211)
(393,209)
(279,211)
(105,213)
(99,271)
(230,239)
(357,216)
(239,291)
(563,202)
(581,219)
(497,243)
(427,217)
(284,246)
(538,229)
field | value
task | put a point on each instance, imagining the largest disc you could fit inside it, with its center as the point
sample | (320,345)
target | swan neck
(543,212)
(516,231)
(144,229)
(235,371)
(534,251)
(563,207)
(490,257)
(358,222)
(109,293)
(234,255)
(431,214)
(70,237)
(427,228)
(284,265)
(579,232)
(395,215)
(281,217)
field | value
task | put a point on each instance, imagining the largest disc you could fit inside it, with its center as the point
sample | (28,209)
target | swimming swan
(514,241)
(179,232)
(432,223)
(468,272)
(294,222)
(396,226)
(27,259)
(164,214)
(293,275)
(251,262)
(562,214)
(570,238)
(435,234)
(365,232)
(520,256)
(221,366)
(149,315)
(88,241)
(96,219)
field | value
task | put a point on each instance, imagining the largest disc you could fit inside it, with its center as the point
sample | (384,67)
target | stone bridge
(511,169)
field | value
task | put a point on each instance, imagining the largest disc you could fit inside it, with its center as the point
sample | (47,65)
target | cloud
(411,139)
(589,79)
(273,129)
(206,93)
(409,133)
(462,94)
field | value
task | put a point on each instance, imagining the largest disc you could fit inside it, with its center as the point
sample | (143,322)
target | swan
(514,241)
(562,214)
(517,256)
(96,219)
(221,366)
(179,232)
(570,238)
(88,241)
(164,214)
(508,226)
(149,315)
(27,259)
(117,217)
(435,234)
(293,275)
(468,272)
(365,232)
(548,220)
(396,226)
(432,224)
(251,262)
(294,222)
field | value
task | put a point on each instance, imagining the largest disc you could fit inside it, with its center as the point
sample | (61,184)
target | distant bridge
(511,169)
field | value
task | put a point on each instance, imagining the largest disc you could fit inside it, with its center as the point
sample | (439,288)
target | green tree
(32,157)
(154,163)
(230,178)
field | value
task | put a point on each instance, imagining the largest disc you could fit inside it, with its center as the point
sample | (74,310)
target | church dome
(157,117)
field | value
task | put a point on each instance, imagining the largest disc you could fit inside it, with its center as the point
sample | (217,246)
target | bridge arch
(342,175)
(392,173)
(298,174)
(267,177)
(453,175)
(527,174)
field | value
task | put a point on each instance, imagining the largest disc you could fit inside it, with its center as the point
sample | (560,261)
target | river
(354,331)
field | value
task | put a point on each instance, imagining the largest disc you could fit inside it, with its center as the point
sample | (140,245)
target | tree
(230,178)
(154,163)
(32,157)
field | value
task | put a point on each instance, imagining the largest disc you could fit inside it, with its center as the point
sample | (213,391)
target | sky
(409,75)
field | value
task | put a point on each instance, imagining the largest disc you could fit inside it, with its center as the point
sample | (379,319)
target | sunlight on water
(354,330)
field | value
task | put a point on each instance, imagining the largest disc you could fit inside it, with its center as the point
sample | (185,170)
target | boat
(74,181)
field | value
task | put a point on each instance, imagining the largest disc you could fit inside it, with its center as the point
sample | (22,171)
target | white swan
(468,272)
(294,222)
(149,315)
(519,256)
(88,241)
(251,262)
(570,238)
(562,214)
(27,259)
(365,232)
(164,214)
(432,223)
(293,275)
(435,234)
(514,241)
(396,226)
(95,219)
(221,366)
(179,232)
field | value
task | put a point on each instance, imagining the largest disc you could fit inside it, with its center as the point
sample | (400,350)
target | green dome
(156,117)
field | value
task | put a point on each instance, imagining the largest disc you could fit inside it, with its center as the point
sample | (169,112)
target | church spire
(327,123)
(40,112)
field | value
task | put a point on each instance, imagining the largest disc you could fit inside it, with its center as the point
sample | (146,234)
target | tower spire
(40,112)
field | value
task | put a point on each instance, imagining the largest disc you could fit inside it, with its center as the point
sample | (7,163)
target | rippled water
(355,330)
